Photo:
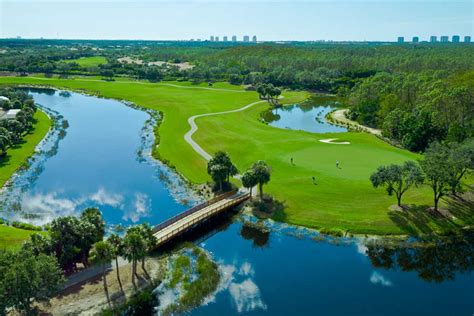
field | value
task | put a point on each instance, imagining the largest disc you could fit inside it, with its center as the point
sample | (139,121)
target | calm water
(101,160)
(309,116)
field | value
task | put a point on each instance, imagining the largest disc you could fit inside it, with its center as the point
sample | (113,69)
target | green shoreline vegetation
(343,199)
(17,156)
(19,138)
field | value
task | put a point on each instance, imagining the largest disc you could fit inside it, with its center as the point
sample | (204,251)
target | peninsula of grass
(343,199)
(17,156)
(87,62)
(12,238)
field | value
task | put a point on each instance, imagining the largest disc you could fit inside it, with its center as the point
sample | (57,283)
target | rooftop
(10,114)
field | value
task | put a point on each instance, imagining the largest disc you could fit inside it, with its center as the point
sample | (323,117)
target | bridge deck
(181,222)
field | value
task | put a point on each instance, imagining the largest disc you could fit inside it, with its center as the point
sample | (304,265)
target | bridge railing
(238,199)
(192,210)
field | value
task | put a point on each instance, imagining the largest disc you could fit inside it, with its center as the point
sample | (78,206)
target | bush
(26,226)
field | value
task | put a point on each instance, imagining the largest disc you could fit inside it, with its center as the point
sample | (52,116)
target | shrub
(26,226)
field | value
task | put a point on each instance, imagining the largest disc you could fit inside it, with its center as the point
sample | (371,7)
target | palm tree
(261,172)
(249,180)
(146,232)
(116,245)
(134,250)
(102,254)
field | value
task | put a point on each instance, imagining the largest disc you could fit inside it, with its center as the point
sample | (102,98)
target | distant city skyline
(277,20)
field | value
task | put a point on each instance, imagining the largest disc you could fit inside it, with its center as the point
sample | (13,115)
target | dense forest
(415,93)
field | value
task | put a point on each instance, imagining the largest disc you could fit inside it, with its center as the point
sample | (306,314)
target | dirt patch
(131,60)
(88,297)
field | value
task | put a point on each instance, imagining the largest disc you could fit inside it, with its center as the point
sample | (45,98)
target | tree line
(415,94)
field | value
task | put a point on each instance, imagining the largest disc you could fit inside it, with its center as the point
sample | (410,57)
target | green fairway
(88,61)
(19,154)
(12,238)
(343,199)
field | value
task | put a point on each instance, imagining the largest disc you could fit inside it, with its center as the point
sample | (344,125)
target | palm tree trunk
(118,273)
(106,289)
(144,269)
(133,274)
(260,186)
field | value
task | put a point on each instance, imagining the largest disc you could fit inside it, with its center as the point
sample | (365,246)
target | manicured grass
(12,238)
(88,61)
(343,199)
(18,155)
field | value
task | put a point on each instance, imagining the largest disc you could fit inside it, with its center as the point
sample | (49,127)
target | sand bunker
(332,141)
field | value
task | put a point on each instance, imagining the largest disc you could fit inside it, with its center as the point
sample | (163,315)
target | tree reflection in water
(258,235)
(435,261)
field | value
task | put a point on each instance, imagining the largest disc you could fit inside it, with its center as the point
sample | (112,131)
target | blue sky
(269,20)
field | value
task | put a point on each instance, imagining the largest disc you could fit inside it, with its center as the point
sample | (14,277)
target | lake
(308,116)
(99,155)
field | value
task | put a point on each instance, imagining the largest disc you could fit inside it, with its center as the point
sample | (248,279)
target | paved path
(191,121)
(340,116)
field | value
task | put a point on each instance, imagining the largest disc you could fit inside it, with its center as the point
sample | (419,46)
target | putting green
(343,198)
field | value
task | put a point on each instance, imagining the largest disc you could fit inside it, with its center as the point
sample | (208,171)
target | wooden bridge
(184,221)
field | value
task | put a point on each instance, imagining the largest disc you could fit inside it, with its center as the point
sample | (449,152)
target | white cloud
(102,197)
(246,269)
(49,206)
(361,248)
(246,296)
(140,209)
(377,278)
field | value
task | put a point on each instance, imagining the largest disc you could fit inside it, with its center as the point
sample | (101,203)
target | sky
(302,20)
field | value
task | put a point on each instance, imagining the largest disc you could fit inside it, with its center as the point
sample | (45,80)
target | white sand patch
(332,141)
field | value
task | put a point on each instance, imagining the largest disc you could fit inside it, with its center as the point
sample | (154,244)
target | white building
(246,38)
(10,114)
(234,38)
(2,98)
(254,38)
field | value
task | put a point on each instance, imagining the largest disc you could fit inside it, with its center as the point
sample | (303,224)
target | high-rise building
(246,38)
(212,38)
(254,38)
(401,39)
(456,38)
(217,38)
(415,39)
(444,39)
(467,39)
(234,38)
(433,38)
(224,38)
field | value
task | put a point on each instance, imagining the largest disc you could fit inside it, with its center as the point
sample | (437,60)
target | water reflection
(435,261)
(96,163)
(258,235)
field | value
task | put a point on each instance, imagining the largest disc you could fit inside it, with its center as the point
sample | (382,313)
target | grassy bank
(343,198)
(18,155)
(12,238)
(93,61)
